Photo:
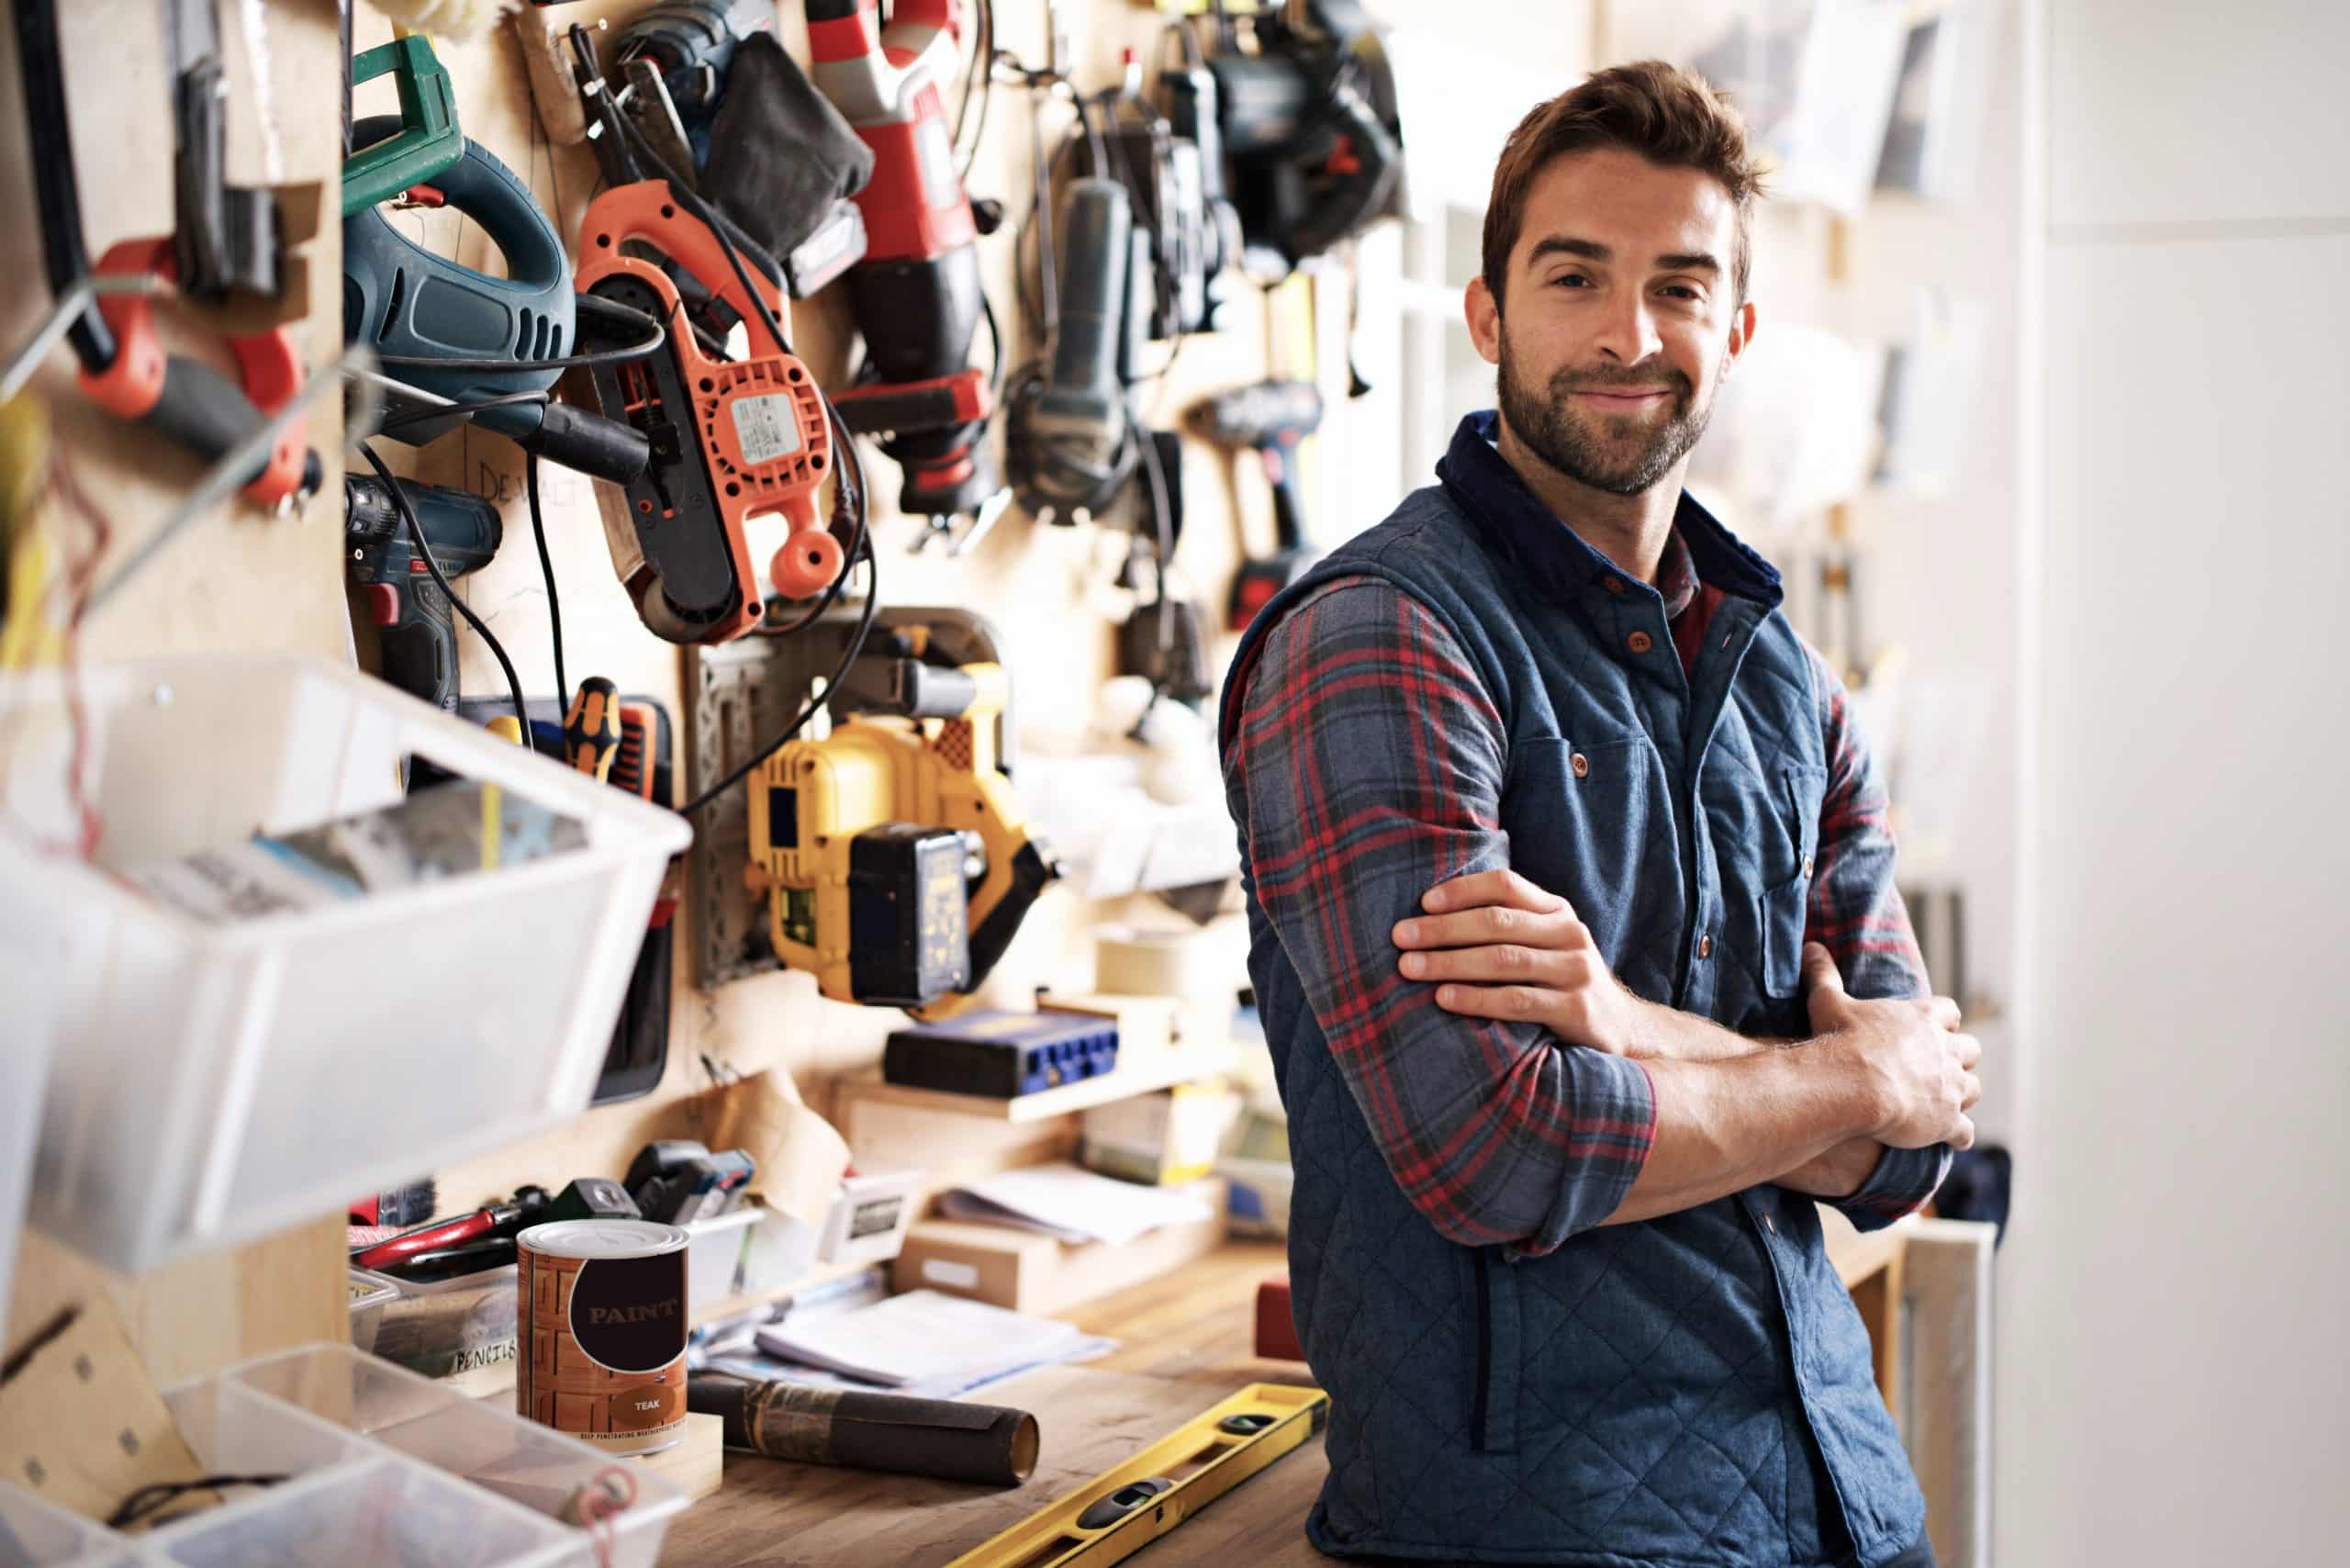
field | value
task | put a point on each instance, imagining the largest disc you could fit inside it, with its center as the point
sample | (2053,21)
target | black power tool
(457,333)
(1268,418)
(1312,143)
(418,636)
(1068,437)
(689,44)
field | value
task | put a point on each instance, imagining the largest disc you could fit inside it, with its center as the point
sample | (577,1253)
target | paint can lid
(603,1238)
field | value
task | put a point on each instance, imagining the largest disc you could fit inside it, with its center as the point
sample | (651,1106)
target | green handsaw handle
(428,141)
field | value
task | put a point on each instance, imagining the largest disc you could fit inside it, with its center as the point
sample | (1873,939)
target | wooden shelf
(1138,1075)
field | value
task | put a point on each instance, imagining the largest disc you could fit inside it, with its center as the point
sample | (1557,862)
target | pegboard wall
(1047,589)
(240,580)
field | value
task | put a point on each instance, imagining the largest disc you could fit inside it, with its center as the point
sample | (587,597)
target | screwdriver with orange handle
(591,729)
(633,766)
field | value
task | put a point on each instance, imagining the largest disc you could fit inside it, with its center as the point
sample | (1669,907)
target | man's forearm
(1725,1125)
(1838,1173)
(1662,1031)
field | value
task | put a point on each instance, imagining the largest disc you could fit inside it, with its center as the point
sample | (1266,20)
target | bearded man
(1575,933)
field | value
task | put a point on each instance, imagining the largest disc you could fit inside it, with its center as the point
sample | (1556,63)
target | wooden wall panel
(1045,589)
(235,580)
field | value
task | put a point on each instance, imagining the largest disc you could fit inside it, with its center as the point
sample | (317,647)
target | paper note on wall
(800,1158)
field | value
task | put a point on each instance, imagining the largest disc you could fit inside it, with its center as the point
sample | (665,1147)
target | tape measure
(1125,1509)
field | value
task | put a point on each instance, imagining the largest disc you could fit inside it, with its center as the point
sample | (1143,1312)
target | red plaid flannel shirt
(1531,1142)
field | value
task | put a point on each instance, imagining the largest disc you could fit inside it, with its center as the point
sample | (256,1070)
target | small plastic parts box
(385,1469)
(211,1083)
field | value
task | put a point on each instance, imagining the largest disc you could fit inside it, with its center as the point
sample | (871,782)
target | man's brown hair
(1664,114)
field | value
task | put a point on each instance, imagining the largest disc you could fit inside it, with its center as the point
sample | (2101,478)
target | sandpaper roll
(942,1439)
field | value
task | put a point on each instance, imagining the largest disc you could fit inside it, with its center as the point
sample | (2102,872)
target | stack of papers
(1074,1205)
(927,1340)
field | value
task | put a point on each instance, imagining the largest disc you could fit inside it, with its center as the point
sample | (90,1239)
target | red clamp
(267,367)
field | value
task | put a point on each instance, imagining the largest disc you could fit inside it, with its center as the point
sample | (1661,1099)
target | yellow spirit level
(1125,1509)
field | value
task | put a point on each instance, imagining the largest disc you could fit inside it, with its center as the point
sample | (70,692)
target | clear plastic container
(714,1256)
(35,1535)
(384,1470)
(780,1251)
(441,1328)
(370,1293)
(491,1449)
(264,1070)
(23,1068)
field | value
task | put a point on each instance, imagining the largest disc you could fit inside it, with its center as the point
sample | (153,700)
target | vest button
(1705,946)
(1612,584)
(1806,866)
(1581,764)
(1640,641)
(1770,1224)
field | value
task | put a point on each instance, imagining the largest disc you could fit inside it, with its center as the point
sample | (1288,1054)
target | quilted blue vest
(1690,1390)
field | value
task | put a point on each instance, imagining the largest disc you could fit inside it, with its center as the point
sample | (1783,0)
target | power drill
(419,637)
(691,43)
(916,296)
(1268,418)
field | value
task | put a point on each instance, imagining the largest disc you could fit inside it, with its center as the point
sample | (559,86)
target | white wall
(2174,1370)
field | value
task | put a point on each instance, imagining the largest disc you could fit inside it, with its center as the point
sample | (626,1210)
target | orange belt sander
(732,438)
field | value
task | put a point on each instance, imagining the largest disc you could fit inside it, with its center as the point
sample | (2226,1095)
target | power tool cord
(982,72)
(416,542)
(546,570)
(848,657)
(848,513)
(427,415)
(607,308)
(1162,525)
(687,199)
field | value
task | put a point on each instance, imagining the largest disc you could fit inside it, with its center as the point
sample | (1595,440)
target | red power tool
(916,296)
(731,438)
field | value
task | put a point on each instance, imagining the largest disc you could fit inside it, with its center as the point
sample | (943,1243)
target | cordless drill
(691,43)
(419,638)
(1268,418)
(916,296)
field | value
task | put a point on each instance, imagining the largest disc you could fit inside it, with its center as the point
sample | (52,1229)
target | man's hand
(1918,1063)
(1505,949)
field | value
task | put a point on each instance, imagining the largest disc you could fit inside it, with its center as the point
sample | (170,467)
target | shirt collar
(1676,575)
(1557,558)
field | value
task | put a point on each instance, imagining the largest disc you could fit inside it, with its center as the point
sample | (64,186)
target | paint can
(602,1327)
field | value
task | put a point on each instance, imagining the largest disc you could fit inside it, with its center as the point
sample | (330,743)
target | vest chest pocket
(1583,818)
(1783,906)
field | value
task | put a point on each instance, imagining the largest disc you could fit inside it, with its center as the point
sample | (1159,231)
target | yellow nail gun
(894,857)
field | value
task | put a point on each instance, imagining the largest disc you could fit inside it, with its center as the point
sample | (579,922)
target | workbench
(1185,1342)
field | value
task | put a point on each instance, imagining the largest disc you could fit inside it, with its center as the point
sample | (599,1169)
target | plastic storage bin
(36,1535)
(370,1293)
(385,1469)
(780,1251)
(446,1327)
(23,1068)
(264,1070)
(714,1256)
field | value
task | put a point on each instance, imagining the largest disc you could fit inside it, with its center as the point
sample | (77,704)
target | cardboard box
(1027,1271)
(1167,1138)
